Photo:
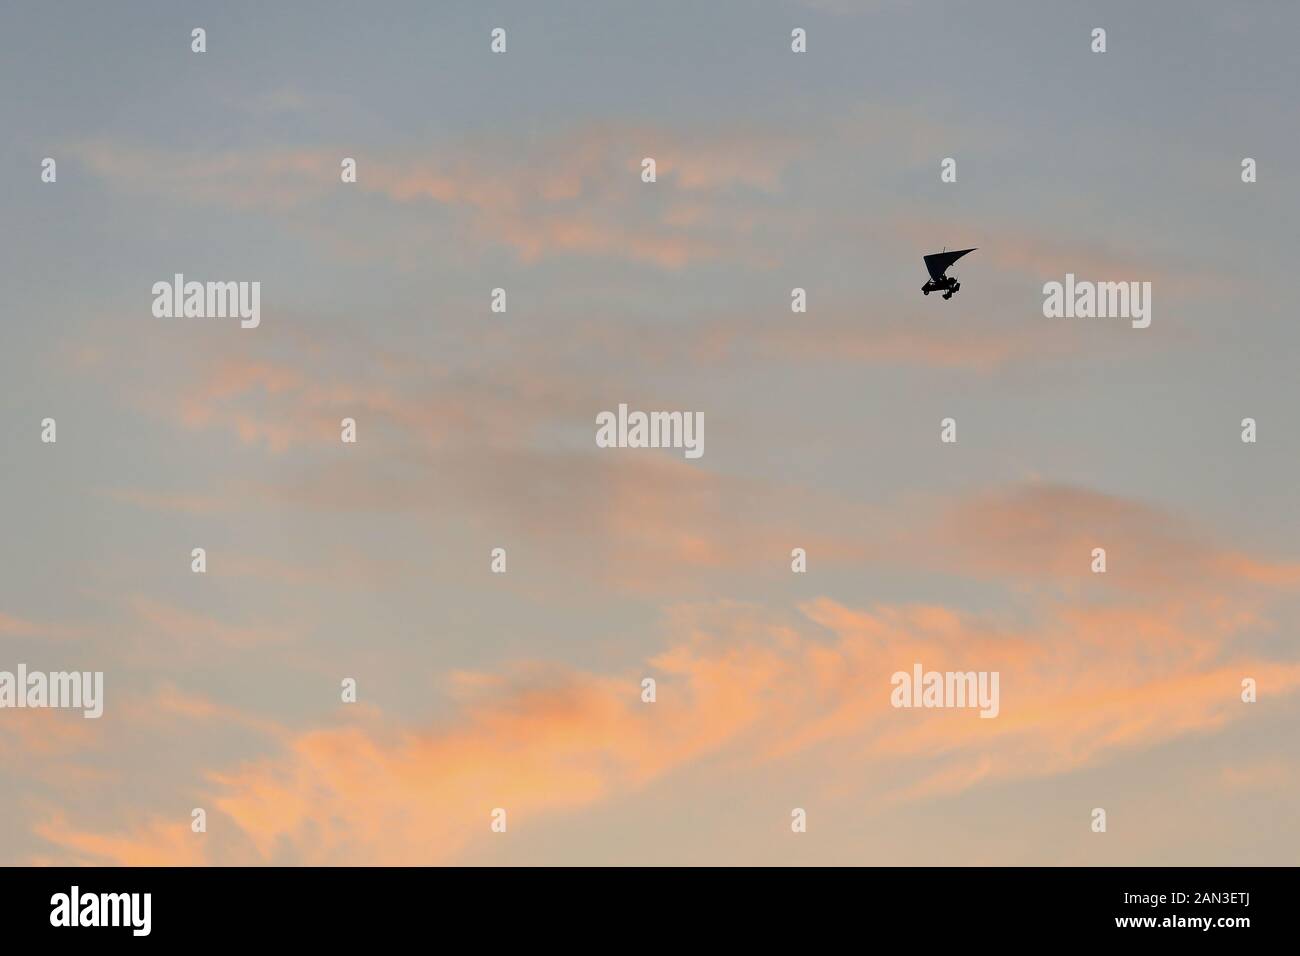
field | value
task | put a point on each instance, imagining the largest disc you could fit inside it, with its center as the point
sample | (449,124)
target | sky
(522,691)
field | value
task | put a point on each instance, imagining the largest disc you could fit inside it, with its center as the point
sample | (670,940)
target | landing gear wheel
(956,288)
(925,291)
(947,295)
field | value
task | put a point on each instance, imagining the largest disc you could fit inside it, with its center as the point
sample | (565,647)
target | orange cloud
(43,733)
(157,844)
(734,687)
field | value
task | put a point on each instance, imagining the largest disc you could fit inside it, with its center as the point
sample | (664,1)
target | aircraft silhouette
(937,263)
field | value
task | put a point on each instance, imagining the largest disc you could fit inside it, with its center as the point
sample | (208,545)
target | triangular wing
(939,262)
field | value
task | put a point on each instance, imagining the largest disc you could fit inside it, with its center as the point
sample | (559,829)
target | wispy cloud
(737,685)
(578,192)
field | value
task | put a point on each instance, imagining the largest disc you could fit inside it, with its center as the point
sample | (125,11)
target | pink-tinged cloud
(169,703)
(186,628)
(186,502)
(16,627)
(575,193)
(1045,530)
(1029,250)
(845,336)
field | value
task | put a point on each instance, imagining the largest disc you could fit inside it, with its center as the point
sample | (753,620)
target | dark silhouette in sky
(937,263)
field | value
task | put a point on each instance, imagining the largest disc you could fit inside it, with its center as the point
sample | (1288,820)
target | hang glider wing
(939,262)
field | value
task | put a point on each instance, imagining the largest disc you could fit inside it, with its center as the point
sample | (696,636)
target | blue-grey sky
(521,171)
